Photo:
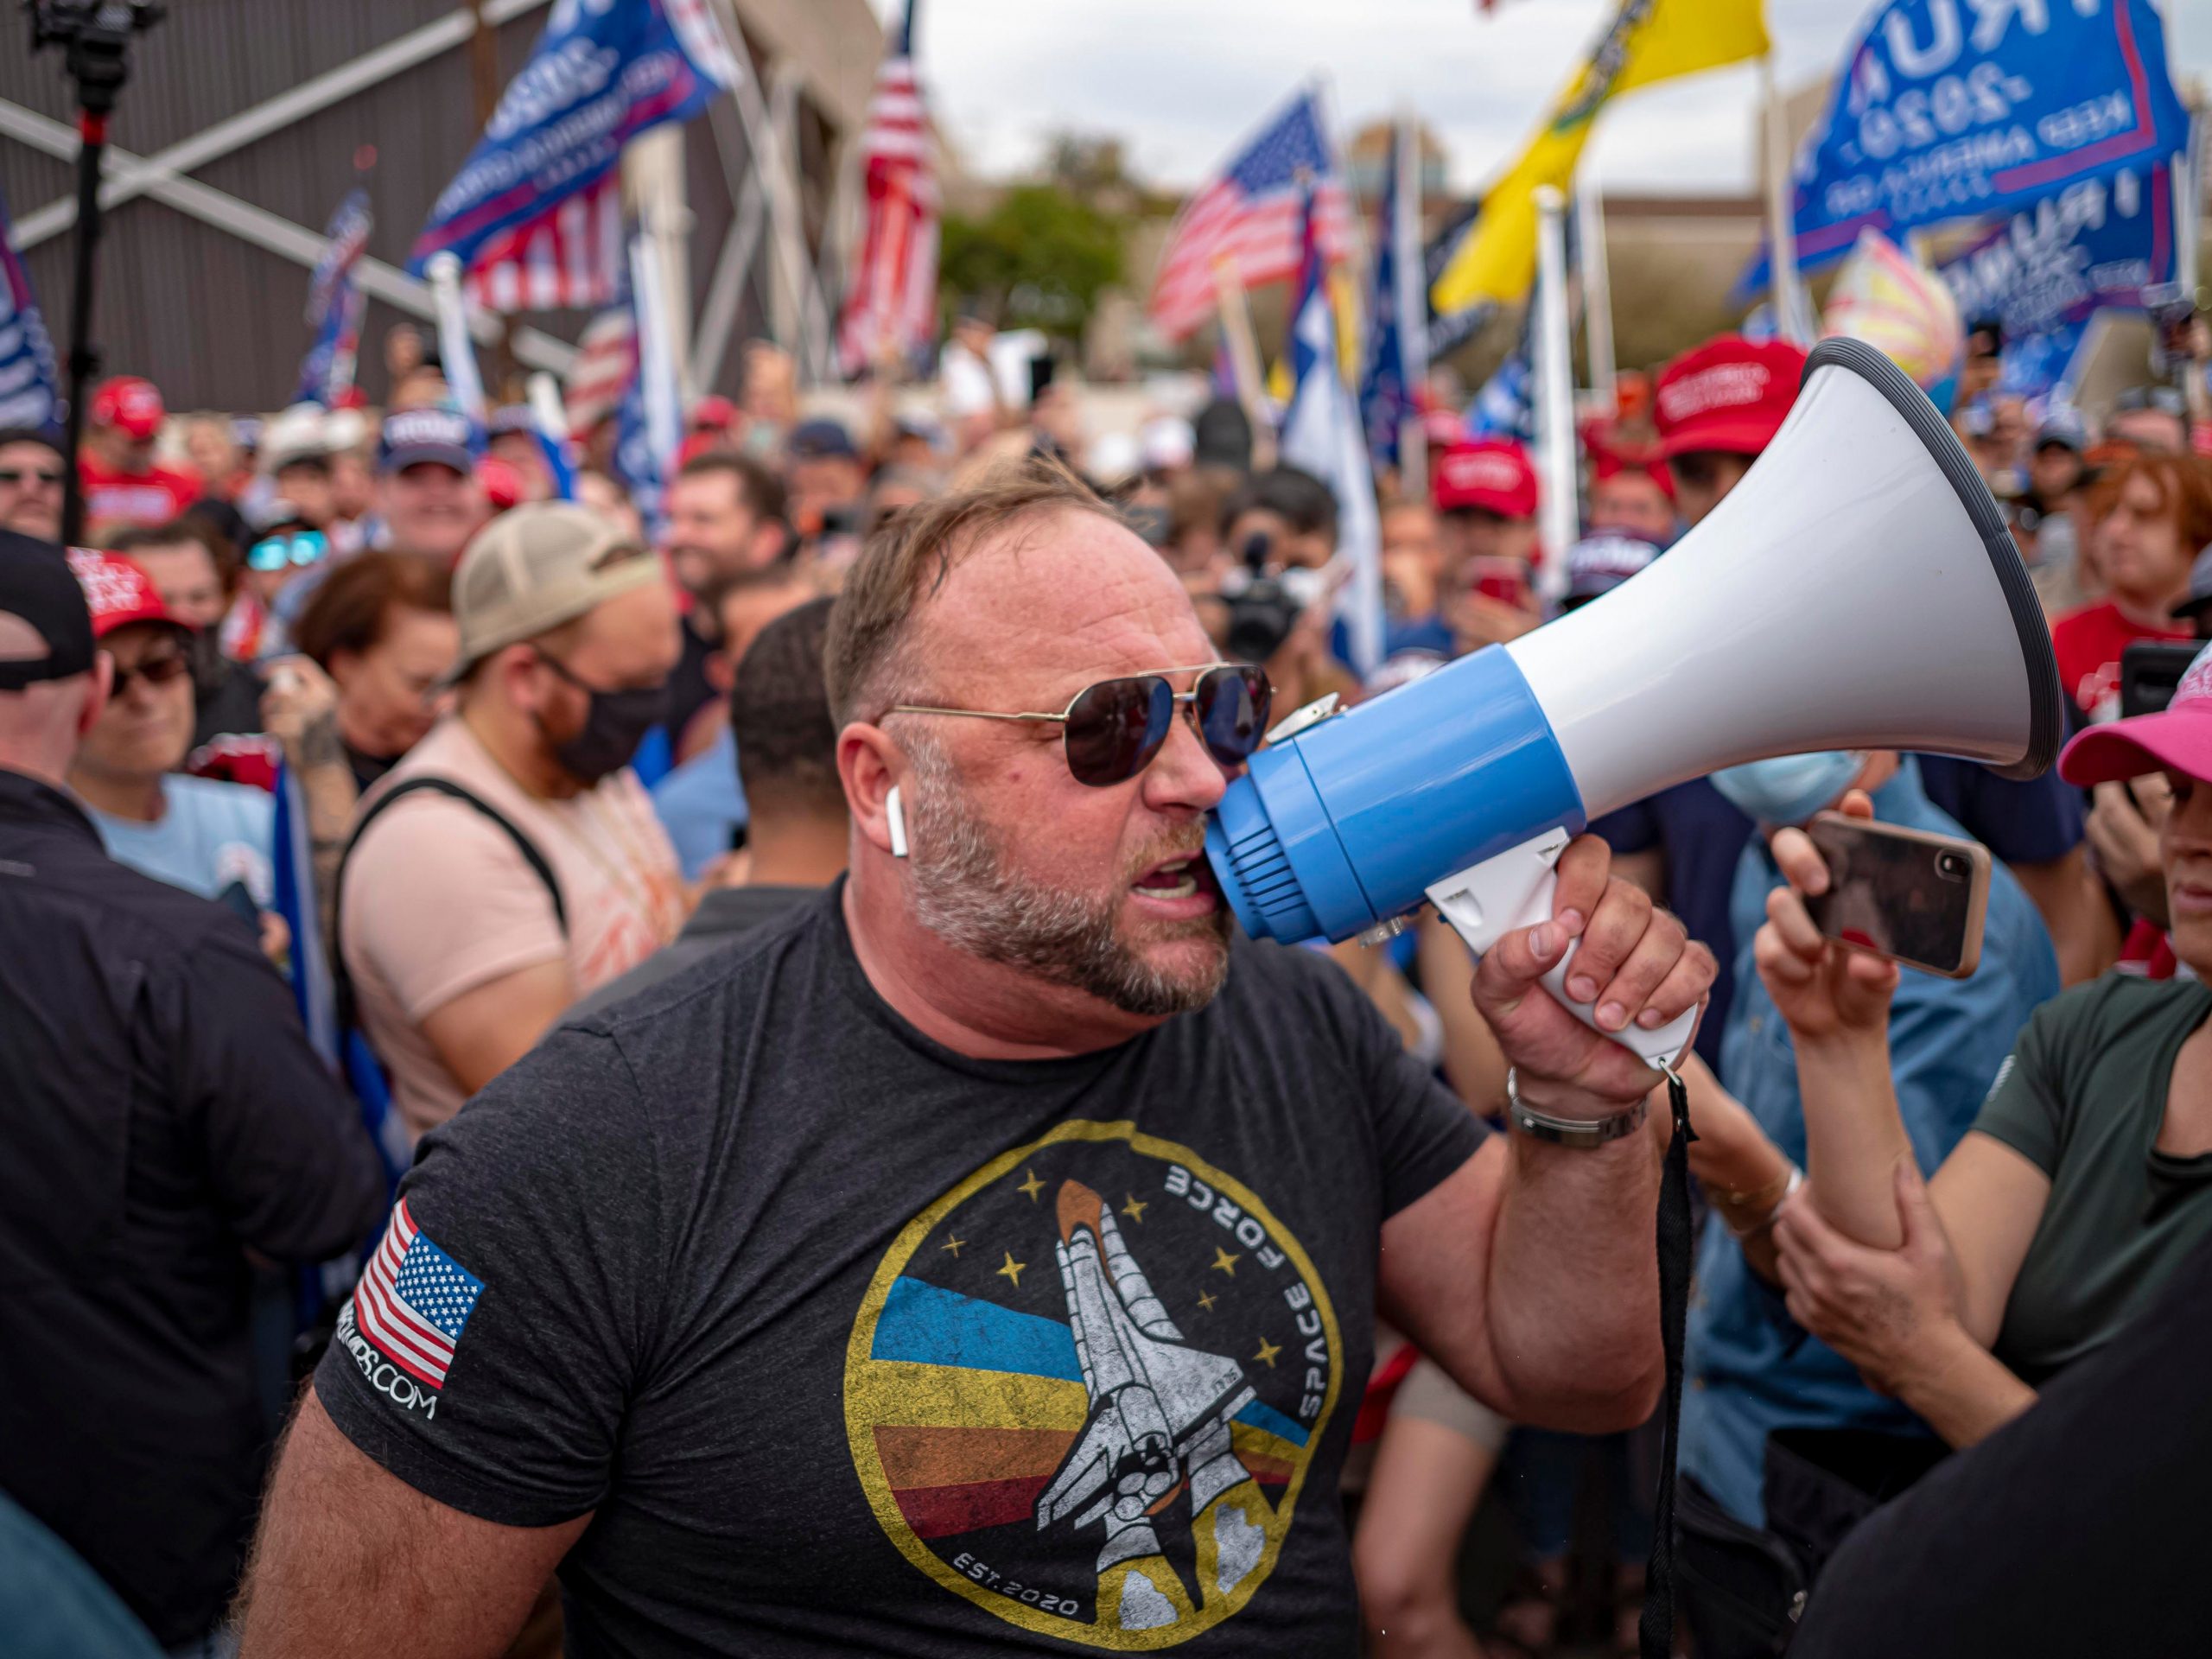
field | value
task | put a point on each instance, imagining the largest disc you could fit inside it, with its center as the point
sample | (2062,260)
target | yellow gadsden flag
(1648,40)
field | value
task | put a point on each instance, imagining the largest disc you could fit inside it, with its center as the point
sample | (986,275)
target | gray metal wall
(215,321)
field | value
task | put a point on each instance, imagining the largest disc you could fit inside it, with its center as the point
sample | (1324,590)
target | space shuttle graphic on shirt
(1160,1415)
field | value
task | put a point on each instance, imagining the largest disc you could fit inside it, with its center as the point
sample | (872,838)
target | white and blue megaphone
(1856,590)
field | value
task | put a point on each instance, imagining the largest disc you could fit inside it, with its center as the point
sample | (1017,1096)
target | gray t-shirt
(856,1344)
(724,914)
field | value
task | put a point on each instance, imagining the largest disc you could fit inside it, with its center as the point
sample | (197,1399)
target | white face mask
(1789,788)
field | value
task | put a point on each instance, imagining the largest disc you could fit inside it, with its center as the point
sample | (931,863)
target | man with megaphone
(989,1257)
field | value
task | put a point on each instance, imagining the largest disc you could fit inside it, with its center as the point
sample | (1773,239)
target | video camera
(1264,605)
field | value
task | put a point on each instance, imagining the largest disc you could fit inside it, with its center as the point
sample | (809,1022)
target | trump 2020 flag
(1322,435)
(1948,111)
(335,303)
(28,387)
(603,71)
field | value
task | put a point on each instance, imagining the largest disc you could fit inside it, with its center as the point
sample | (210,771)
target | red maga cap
(2178,737)
(1491,475)
(116,592)
(130,405)
(1729,394)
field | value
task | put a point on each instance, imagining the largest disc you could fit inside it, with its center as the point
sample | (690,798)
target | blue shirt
(702,806)
(1751,1369)
(209,835)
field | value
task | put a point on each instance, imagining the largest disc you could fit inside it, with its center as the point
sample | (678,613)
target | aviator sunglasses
(1113,730)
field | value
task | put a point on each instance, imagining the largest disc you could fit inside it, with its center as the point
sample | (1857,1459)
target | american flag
(1250,218)
(414,1301)
(569,257)
(606,356)
(893,301)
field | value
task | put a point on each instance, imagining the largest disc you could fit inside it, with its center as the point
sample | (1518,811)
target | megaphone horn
(1857,590)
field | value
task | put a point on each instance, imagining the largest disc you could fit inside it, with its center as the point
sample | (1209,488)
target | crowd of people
(509,1011)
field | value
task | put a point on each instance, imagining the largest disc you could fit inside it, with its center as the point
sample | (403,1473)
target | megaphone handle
(1486,901)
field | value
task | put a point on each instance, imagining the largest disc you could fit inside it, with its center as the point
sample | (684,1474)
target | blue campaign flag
(335,304)
(29,391)
(603,71)
(1506,405)
(1448,331)
(1950,110)
(1397,331)
(2096,244)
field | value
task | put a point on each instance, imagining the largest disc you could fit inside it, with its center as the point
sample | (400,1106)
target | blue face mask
(1789,788)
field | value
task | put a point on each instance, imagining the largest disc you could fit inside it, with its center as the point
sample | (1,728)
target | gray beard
(966,893)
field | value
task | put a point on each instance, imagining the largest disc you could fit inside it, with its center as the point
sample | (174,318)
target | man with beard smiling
(988,1255)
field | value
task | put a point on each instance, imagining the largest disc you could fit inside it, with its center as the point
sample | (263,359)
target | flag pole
(1790,316)
(1244,359)
(1555,393)
(456,350)
(1596,285)
(1411,305)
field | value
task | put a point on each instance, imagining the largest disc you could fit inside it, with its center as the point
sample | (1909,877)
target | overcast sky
(1180,80)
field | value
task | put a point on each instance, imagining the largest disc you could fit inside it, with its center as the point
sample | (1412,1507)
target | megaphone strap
(1655,1630)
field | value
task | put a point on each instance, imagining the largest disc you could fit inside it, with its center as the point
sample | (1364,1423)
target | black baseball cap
(49,436)
(37,585)
(442,435)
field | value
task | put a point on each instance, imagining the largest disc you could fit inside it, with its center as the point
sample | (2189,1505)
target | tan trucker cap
(536,567)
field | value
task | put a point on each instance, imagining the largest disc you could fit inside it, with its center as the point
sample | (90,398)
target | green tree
(1039,259)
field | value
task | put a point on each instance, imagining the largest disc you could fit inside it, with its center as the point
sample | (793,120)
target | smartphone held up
(1909,895)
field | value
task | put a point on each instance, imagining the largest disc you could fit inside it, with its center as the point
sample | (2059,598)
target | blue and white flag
(29,390)
(335,304)
(1506,405)
(603,71)
(1322,435)
(1397,306)
(2093,246)
(1946,110)
(649,423)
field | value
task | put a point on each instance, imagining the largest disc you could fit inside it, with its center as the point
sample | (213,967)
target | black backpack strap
(341,983)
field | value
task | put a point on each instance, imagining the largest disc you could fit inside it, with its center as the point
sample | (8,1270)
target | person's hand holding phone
(1824,991)
(2123,829)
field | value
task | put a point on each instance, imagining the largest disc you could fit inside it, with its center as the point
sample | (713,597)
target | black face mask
(615,724)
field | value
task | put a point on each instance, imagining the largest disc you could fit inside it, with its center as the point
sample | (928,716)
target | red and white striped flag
(891,299)
(569,258)
(1251,217)
(606,356)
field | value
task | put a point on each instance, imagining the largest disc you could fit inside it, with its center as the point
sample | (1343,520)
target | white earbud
(895,815)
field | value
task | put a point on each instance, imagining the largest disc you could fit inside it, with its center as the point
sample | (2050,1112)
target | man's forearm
(1573,1292)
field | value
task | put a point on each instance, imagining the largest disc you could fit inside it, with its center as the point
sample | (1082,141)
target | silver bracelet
(1581,1134)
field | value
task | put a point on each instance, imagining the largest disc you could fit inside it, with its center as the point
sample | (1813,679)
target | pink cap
(2179,737)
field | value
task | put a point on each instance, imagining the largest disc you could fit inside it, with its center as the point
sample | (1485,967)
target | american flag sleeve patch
(414,1301)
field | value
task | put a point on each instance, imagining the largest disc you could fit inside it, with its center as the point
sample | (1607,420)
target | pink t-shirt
(439,901)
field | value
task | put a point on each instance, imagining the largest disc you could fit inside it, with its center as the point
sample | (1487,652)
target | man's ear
(871,767)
